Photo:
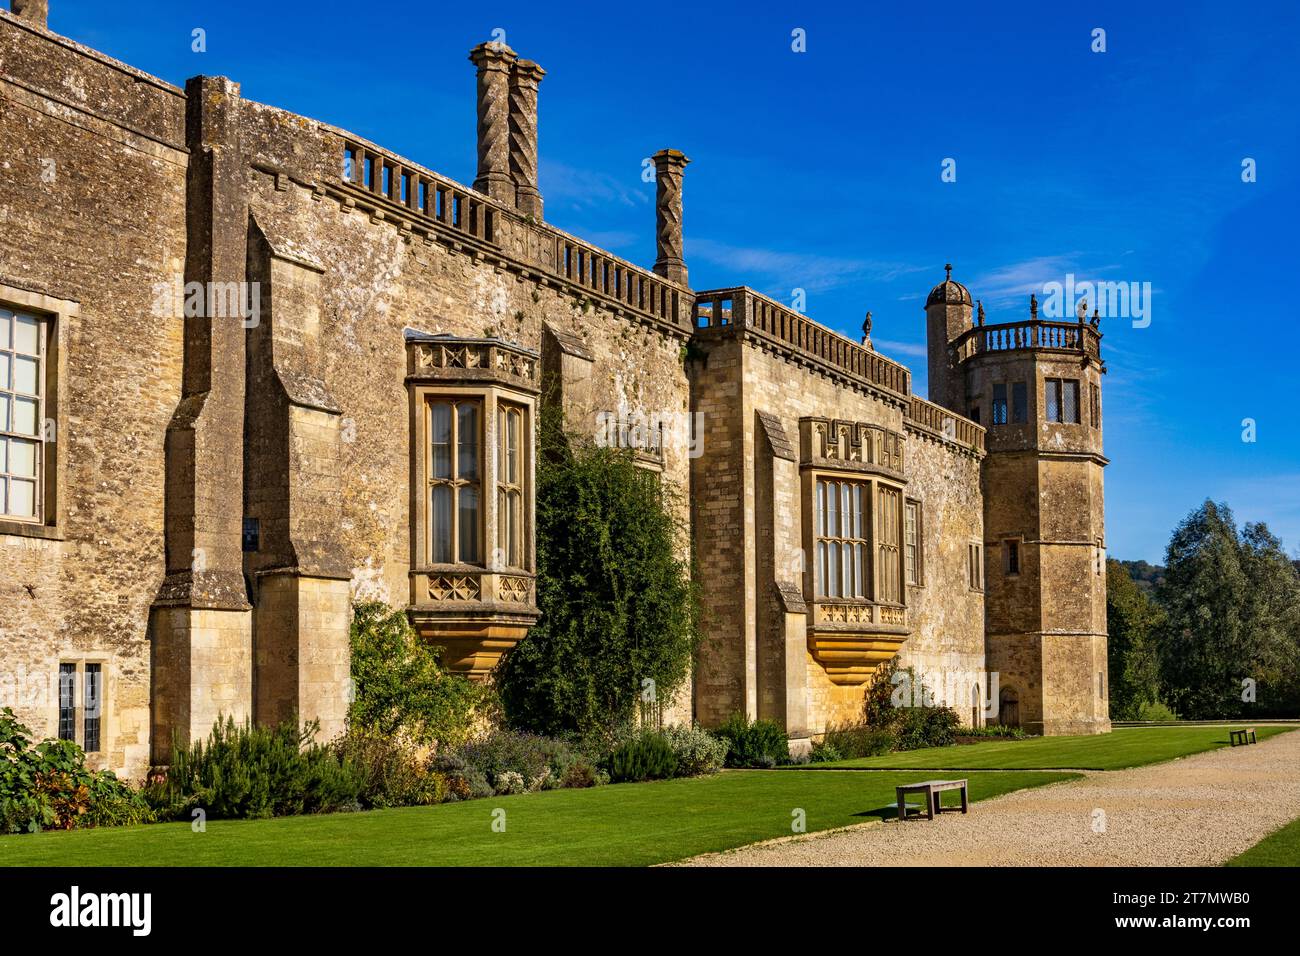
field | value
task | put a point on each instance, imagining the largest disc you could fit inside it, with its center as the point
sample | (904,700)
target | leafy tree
(618,605)
(399,685)
(1132,619)
(1231,604)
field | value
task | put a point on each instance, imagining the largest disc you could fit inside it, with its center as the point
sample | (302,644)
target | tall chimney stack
(525,77)
(494,61)
(669,166)
(33,11)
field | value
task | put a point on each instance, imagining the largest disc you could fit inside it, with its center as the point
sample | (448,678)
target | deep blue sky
(821,170)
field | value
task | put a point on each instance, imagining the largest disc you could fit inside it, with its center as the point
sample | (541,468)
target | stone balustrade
(743,307)
(431,196)
(942,423)
(637,289)
(1030,334)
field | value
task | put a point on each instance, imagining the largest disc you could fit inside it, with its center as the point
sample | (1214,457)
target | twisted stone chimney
(525,77)
(669,167)
(33,11)
(494,61)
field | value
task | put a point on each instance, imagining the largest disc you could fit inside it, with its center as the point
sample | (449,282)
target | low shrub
(697,751)
(391,771)
(922,727)
(760,743)
(47,786)
(648,756)
(252,772)
(824,753)
(541,762)
(994,730)
(852,741)
(1155,710)
(581,774)
(464,782)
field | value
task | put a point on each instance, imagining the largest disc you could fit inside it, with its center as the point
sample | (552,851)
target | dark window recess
(252,534)
(1019,403)
(1000,404)
(1013,556)
(975,414)
(1070,401)
(1062,400)
(67,701)
(94,707)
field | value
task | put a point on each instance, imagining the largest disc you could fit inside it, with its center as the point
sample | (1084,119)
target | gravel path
(1196,811)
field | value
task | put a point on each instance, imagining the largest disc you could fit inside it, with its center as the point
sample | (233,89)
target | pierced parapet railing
(744,307)
(1030,334)
(587,266)
(440,200)
(944,423)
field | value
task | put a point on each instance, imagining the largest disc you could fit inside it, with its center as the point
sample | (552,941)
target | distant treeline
(1214,632)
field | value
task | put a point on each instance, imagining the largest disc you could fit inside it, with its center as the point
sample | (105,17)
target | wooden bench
(1242,735)
(933,802)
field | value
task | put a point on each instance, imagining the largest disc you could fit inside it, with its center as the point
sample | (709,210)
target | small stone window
(23,432)
(1019,403)
(999,404)
(89,716)
(1011,556)
(975,565)
(912,548)
(1063,400)
(1094,403)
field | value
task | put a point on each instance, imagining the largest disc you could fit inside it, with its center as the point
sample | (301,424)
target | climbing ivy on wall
(614,588)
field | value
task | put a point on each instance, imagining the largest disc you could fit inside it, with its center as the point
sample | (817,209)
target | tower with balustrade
(1035,385)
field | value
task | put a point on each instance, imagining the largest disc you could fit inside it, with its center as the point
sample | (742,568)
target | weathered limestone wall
(92,200)
(748,519)
(379,277)
(946,648)
(725,679)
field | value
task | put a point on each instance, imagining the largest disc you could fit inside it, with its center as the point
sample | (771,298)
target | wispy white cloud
(610,238)
(804,270)
(586,189)
(888,346)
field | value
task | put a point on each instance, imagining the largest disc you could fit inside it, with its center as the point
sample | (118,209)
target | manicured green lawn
(1127,747)
(627,824)
(1279,848)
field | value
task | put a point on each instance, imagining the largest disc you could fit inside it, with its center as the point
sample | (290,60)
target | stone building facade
(257,367)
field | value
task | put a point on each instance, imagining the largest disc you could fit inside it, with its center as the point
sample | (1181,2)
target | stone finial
(1033,306)
(980,315)
(1082,311)
(35,12)
(525,77)
(494,61)
(866,331)
(1096,318)
(947,272)
(669,262)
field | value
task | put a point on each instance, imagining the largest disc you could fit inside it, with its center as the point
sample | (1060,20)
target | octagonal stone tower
(1036,386)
